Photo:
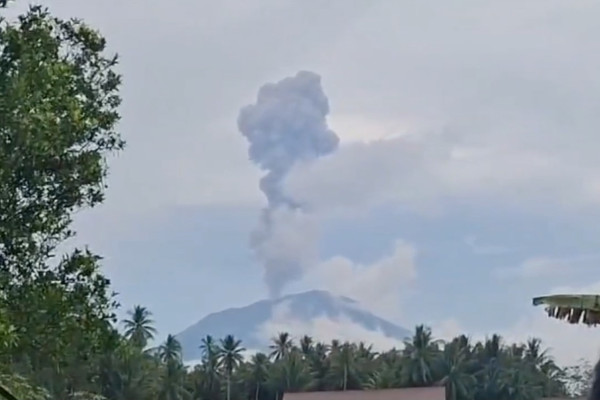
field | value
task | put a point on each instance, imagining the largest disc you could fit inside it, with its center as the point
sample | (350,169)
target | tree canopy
(58,117)
(490,369)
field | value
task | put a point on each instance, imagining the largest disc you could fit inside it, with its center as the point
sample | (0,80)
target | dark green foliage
(489,370)
(58,112)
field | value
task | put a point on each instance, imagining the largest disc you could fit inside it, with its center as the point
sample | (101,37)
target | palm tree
(365,351)
(139,327)
(534,353)
(208,347)
(552,380)
(490,373)
(343,365)
(489,370)
(291,374)
(127,373)
(421,354)
(204,383)
(492,347)
(281,346)
(210,367)
(306,345)
(457,378)
(319,363)
(518,384)
(170,350)
(172,387)
(386,376)
(230,357)
(334,345)
(257,372)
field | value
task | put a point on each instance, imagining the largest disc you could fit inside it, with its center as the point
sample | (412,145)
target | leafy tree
(58,113)
(578,379)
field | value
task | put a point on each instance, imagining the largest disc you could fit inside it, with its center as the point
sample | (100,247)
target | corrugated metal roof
(425,393)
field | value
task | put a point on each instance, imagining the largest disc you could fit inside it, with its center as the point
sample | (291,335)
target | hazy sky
(467,179)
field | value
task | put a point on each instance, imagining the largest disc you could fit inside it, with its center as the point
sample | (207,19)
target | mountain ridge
(246,322)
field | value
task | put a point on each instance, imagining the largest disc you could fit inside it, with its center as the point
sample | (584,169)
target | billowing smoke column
(286,125)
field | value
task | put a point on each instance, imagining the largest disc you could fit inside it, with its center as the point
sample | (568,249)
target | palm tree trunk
(257,391)
(228,386)
(345,377)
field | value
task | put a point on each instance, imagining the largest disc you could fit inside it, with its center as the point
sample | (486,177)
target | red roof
(424,393)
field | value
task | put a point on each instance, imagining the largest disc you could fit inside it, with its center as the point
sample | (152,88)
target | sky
(466,180)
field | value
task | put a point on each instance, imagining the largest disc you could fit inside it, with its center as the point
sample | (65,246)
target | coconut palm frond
(573,308)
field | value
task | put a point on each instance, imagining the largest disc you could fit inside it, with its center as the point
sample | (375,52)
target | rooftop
(424,393)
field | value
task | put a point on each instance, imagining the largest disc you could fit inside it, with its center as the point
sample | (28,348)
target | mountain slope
(249,323)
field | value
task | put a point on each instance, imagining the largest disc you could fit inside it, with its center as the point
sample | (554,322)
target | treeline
(488,370)
(130,369)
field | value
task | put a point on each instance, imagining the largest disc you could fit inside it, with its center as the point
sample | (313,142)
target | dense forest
(484,370)
(59,336)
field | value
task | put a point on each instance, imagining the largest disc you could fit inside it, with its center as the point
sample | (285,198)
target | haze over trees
(59,337)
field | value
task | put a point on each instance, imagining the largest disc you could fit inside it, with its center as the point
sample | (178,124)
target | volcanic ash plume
(286,125)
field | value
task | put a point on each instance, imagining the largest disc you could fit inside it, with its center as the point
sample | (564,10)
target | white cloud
(429,169)
(360,128)
(505,80)
(380,286)
(323,329)
(567,343)
(536,267)
(515,116)
(485,248)
(447,329)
